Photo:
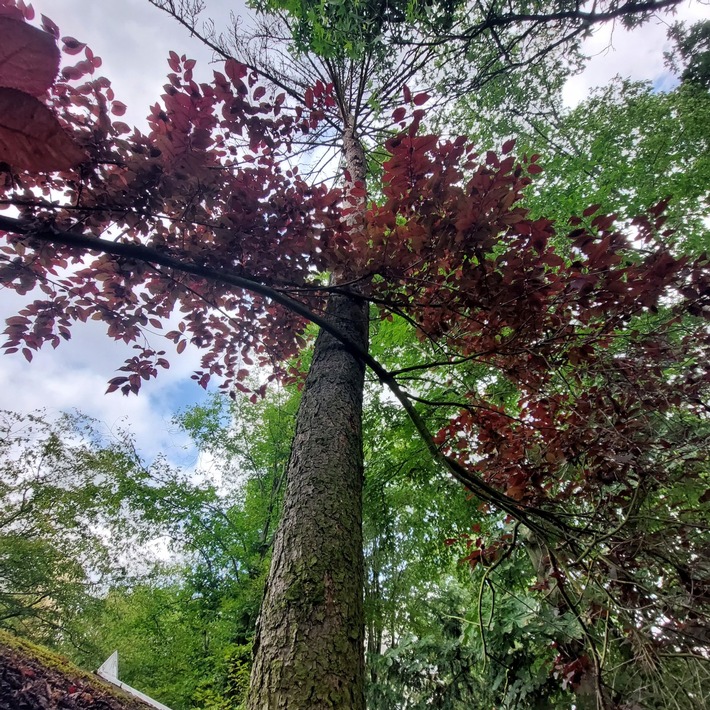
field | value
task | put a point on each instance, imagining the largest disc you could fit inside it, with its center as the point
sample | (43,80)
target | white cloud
(133,39)
(635,54)
(75,375)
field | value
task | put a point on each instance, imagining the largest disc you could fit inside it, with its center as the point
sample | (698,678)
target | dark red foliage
(31,137)
(449,247)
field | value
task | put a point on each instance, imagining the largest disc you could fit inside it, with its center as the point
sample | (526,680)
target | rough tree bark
(309,651)
(309,646)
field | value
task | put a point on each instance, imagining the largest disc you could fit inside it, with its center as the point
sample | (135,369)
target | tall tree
(448,249)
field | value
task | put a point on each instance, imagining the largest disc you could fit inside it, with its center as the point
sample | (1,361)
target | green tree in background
(626,148)
(691,55)
(87,525)
(184,633)
(63,532)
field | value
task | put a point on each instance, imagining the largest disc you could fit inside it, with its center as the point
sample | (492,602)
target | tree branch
(139,252)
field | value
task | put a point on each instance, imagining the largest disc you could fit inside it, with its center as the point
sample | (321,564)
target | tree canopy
(558,370)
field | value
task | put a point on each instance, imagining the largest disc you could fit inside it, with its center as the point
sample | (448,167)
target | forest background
(461,635)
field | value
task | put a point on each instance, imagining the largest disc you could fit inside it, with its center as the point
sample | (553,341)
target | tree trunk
(309,639)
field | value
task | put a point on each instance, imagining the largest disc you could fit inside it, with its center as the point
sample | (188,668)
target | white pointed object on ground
(108,670)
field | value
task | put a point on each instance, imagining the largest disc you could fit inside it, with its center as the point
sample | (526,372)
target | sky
(133,39)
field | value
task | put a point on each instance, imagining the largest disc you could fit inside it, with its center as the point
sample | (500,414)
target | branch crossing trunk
(309,644)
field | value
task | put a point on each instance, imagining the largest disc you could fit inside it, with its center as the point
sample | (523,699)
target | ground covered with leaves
(31,678)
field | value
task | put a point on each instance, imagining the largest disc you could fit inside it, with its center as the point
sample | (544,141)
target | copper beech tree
(598,329)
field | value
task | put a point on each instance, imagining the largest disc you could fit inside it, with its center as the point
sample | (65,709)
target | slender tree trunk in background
(373,599)
(309,642)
